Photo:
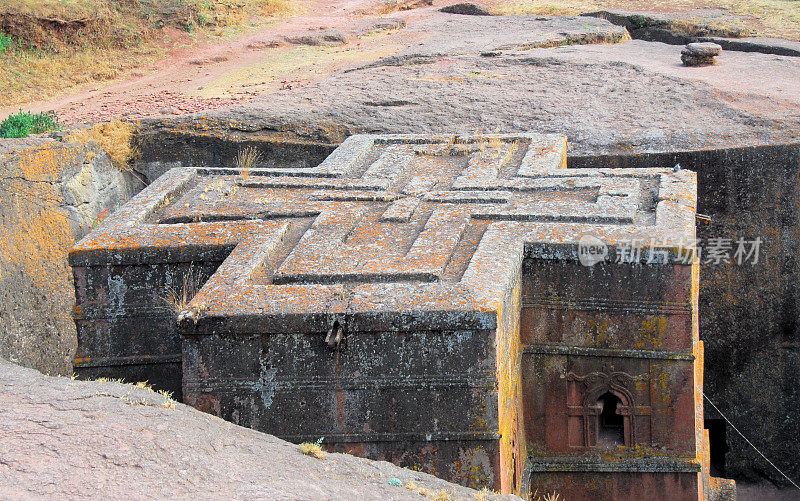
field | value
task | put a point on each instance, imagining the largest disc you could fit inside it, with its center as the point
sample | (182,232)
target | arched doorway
(611,425)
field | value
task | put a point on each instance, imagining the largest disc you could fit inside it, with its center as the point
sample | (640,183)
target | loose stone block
(700,53)
(426,300)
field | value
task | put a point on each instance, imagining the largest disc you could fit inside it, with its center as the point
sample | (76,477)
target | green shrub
(5,42)
(24,123)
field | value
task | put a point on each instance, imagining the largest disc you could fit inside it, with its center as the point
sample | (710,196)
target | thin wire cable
(749,442)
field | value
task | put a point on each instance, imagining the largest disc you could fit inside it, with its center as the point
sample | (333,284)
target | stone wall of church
(748,313)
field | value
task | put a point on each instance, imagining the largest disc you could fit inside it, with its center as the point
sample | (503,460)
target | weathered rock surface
(50,195)
(447,35)
(662,27)
(777,46)
(374,25)
(625,98)
(703,49)
(89,440)
(321,37)
(406,4)
(466,9)
(706,25)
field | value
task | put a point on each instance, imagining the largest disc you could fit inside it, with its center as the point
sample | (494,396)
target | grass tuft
(441,495)
(113,137)
(548,496)
(313,449)
(178,299)
(169,402)
(143,385)
(246,159)
(5,42)
(24,123)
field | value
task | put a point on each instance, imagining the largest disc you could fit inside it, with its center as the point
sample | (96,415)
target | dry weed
(441,495)
(178,299)
(313,449)
(548,496)
(246,159)
(169,402)
(113,137)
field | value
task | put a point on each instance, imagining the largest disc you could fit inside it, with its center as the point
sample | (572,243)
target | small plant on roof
(178,299)
(99,219)
(246,159)
(313,448)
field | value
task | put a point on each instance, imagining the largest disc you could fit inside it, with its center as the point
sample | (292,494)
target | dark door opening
(611,429)
(717,445)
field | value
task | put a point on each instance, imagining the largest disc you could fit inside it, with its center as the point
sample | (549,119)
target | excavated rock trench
(51,194)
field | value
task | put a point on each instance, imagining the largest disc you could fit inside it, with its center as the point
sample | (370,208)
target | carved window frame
(586,412)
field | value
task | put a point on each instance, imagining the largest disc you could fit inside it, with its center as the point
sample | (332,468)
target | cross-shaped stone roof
(391,231)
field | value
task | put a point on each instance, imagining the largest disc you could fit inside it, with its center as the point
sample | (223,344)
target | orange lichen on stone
(35,236)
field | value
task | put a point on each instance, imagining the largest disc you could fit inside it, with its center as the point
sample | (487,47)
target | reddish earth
(173,84)
(218,74)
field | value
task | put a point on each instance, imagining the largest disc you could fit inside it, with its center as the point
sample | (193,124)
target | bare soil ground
(47,47)
(177,83)
(218,74)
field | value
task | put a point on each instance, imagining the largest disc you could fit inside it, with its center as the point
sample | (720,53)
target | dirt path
(217,74)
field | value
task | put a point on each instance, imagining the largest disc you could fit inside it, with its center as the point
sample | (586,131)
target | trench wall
(51,193)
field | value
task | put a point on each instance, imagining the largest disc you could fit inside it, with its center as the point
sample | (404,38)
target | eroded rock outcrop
(51,193)
(466,9)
